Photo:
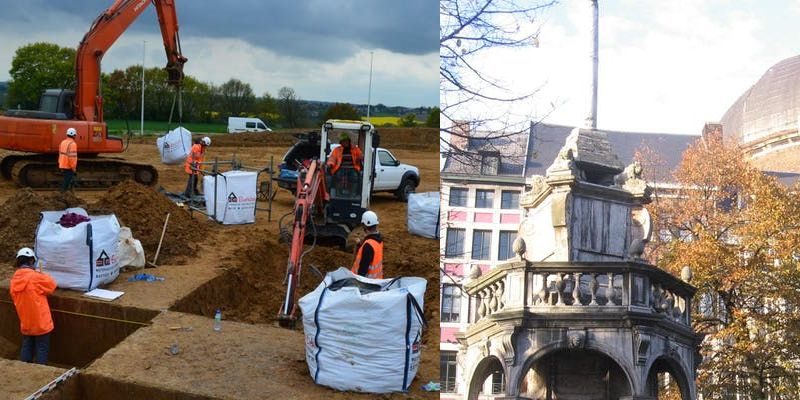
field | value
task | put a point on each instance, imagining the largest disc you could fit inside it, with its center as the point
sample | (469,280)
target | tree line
(39,66)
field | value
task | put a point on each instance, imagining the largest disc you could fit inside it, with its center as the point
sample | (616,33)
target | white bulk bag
(82,257)
(423,214)
(235,201)
(130,251)
(364,342)
(175,146)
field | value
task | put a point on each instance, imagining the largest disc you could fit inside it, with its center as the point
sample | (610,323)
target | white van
(237,124)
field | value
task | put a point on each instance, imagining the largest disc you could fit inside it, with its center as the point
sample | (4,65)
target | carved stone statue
(641,231)
(565,163)
(518,247)
(538,185)
(631,180)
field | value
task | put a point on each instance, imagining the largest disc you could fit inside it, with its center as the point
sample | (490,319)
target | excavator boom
(311,196)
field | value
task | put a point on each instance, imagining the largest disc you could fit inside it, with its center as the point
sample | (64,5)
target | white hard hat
(206,141)
(25,252)
(71,132)
(369,218)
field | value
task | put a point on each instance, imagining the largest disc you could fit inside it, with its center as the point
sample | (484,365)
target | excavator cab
(350,186)
(57,104)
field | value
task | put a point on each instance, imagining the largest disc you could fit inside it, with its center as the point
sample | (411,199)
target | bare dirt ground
(250,260)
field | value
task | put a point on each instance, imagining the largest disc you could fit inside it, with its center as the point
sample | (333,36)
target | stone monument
(579,314)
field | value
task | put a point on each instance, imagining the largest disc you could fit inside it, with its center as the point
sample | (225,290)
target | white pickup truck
(390,174)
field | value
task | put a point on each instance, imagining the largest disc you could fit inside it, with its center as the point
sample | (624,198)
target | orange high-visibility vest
(29,290)
(376,266)
(68,154)
(195,156)
(335,159)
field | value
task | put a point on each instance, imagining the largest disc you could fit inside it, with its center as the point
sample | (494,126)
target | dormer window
(490,163)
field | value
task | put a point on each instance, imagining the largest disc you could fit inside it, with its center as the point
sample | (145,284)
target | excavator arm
(105,30)
(311,196)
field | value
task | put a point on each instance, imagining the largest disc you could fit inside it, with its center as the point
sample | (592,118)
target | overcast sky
(665,66)
(319,48)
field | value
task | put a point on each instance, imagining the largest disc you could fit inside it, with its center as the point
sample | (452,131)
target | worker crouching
(29,290)
(68,159)
(192,166)
(369,256)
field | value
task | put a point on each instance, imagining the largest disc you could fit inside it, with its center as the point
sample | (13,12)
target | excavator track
(41,172)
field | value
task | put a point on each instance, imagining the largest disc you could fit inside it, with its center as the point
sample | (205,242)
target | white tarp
(423,214)
(235,197)
(364,342)
(82,257)
(131,253)
(175,146)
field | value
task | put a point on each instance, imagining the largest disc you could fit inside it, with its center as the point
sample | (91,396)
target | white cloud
(397,79)
(664,66)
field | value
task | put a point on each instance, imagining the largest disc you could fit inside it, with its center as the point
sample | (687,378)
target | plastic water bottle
(218,321)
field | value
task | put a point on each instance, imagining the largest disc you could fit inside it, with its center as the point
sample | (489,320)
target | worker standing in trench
(369,256)
(68,159)
(29,290)
(192,166)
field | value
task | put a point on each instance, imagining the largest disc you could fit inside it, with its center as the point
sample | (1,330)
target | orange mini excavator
(41,131)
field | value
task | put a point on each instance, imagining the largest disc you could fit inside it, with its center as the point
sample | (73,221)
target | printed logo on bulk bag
(104,259)
(415,346)
(232,198)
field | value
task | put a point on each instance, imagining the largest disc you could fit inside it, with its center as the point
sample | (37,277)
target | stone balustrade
(546,288)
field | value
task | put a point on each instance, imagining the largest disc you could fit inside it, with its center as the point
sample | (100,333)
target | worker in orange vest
(369,257)
(68,159)
(344,154)
(29,290)
(192,165)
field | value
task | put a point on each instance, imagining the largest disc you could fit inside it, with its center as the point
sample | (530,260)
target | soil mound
(143,210)
(20,215)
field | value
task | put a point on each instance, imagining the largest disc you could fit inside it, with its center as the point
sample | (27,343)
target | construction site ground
(157,340)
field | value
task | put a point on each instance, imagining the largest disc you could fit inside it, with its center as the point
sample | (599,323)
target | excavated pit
(84,330)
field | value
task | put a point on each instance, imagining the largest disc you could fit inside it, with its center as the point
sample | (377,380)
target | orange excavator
(41,131)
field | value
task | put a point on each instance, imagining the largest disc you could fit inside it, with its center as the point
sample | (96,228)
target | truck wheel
(406,188)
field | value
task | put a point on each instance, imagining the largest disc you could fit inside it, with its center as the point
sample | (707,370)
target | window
(481,243)
(458,197)
(484,198)
(455,243)
(447,371)
(509,200)
(451,303)
(261,126)
(386,159)
(489,164)
(250,125)
(498,383)
(504,251)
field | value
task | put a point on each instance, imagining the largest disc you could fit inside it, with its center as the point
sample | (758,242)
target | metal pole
(369,91)
(144,52)
(591,120)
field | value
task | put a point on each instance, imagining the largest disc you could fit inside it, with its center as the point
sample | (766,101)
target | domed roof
(769,108)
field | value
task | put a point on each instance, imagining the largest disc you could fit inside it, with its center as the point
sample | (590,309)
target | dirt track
(250,288)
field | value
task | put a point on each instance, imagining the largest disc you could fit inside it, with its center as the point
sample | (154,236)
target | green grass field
(159,127)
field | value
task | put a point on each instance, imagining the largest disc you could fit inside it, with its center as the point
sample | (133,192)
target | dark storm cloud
(312,29)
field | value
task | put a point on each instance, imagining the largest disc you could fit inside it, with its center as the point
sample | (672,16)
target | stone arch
(483,369)
(531,358)
(674,367)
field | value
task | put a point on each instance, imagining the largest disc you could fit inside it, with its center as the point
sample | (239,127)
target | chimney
(712,131)
(459,138)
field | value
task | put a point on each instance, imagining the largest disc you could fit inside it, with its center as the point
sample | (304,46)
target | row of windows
(484,198)
(481,244)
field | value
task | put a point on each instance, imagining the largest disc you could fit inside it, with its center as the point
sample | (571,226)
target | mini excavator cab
(349,187)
